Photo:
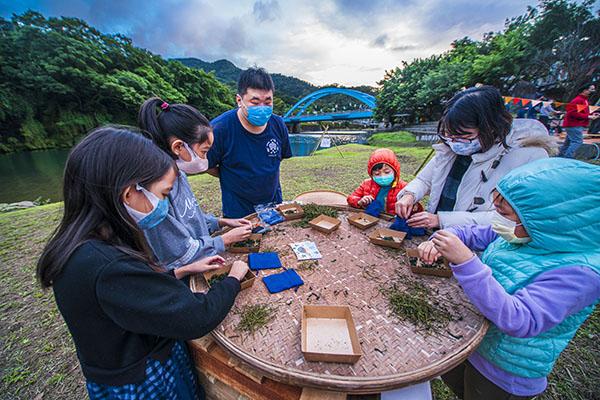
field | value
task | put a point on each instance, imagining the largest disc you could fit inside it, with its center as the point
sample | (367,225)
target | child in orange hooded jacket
(384,184)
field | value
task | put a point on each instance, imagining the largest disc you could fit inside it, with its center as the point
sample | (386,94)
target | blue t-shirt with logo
(248,163)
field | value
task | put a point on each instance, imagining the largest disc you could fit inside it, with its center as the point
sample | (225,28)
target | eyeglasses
(457,139)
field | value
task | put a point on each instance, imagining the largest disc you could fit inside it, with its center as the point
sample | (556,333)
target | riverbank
(37,355)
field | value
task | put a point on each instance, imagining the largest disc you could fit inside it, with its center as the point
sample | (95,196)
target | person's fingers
(438,242)
(429,254)
(217,259)
(419,217)
(417,224)
(406,211)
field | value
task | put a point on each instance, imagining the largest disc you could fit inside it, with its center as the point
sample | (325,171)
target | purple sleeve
(475,237)
(536,308)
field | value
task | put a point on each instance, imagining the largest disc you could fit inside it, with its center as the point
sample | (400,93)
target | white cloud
(350,42)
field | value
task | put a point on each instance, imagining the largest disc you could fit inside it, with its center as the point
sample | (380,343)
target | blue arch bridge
(296,115)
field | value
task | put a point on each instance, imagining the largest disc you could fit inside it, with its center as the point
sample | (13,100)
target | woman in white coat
(480,144)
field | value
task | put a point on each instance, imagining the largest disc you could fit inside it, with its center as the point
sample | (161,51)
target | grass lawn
(36,352)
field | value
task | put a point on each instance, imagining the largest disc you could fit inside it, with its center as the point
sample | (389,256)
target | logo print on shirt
(272,148)
(190,208)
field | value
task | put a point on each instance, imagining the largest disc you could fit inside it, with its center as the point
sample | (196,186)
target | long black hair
(477,107)
(162,121)
(98,170)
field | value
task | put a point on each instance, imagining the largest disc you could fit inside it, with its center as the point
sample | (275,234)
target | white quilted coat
(528,141)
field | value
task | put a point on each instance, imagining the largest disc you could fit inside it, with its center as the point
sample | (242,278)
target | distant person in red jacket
(576,120)
(383,185)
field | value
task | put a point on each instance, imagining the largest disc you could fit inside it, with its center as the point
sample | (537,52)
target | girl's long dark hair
(477,107)
(162,121)
(98,170)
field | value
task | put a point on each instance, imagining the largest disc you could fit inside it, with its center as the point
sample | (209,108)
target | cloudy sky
(351,42)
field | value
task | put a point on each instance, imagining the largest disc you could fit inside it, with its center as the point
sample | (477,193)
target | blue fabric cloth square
(401,225)
(374,209)
(285,280)
(258,261)
(271,217)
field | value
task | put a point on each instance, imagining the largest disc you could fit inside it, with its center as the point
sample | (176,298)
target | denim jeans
(572,142)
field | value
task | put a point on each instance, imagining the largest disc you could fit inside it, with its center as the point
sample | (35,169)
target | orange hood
(385,156)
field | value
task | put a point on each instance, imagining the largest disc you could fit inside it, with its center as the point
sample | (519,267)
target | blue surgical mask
(465,149)
(160,210)
(259,115)
(384,180)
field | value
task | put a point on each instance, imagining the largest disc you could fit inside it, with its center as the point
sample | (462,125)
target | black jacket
(120,312)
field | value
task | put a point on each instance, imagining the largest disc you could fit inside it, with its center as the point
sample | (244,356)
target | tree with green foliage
(555,45)
(60,77)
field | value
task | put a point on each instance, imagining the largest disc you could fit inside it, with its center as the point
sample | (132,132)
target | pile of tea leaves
(217,278)
(247,243)
(312,211)
(409,301)
(254,316)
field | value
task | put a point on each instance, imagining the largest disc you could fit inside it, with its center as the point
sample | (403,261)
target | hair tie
(164,106)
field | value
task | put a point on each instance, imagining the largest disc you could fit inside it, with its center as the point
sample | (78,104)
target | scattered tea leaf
(411,303)
(217,278)
(254,316)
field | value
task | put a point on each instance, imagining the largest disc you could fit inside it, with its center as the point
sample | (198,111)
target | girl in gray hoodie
(184,236)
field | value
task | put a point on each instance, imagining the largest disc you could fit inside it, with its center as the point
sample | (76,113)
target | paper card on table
(306,250)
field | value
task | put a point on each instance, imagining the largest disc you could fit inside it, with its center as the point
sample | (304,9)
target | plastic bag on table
(268,213)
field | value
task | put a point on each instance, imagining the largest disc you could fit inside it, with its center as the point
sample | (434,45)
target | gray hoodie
(184,235)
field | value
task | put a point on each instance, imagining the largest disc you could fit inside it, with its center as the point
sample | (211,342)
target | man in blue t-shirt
(249,144)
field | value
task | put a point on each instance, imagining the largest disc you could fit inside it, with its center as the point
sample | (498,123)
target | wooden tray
(445,273)
(317,223)
(291,216)
(375,238)
(254,249)
(245,283)
(329,334)
(357,220)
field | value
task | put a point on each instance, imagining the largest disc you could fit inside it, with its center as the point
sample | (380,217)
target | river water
(31,175)
(38,174)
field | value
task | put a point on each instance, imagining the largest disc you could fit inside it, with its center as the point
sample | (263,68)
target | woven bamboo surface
(323,196)
(395,353)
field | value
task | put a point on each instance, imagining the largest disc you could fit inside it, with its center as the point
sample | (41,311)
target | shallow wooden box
(375,238)
(291,216)
(316,223)
(356,219)
(254,249)
(329,322)
(245,283)
(445,273)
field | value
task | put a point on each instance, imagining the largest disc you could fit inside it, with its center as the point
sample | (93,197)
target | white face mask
(196,165)
(505,228)
(465,149)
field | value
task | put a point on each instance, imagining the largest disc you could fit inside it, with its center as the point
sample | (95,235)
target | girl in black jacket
(128,317)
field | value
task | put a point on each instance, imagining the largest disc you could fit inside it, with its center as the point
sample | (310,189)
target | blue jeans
(572,142)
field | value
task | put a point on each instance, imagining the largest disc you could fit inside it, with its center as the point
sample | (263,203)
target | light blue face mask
(465,149)
(160,210)
(259,115)
(384,180)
